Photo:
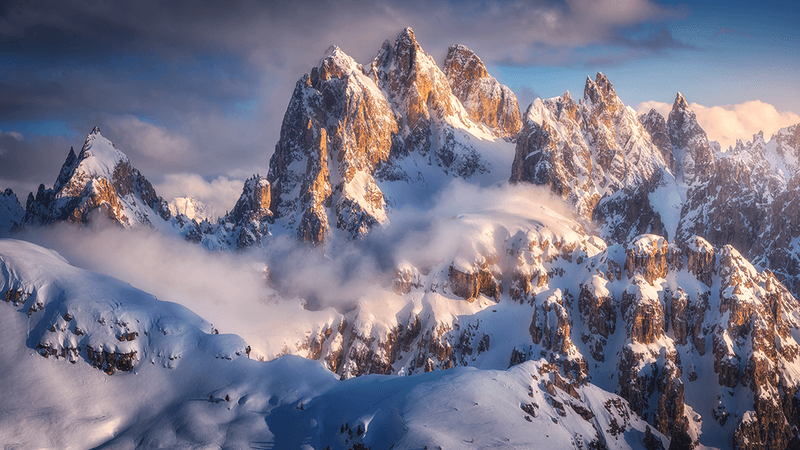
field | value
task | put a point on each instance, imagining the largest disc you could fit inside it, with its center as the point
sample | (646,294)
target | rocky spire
(600,91)
(66,169)
(691,146)
(485,99)
(336,130)
(680,103)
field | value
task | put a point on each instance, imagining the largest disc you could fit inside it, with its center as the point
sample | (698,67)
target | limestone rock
(485,99)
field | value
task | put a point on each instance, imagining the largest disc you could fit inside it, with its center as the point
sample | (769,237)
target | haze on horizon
(194,93)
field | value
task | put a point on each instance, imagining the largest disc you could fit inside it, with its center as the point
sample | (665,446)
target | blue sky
(195,91)
(735,51)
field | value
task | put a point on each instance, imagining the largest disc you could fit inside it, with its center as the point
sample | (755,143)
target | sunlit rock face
(350,129)
(485,99)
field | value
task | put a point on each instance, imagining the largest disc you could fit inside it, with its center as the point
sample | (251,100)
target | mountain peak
(95,130)
(680,102)
(600,90)
(485,99)
(335,64)
(407,35)
(461,59)
(406,42)
(601,79)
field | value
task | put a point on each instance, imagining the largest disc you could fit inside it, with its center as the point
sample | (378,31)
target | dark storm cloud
(201,87)
(27,163)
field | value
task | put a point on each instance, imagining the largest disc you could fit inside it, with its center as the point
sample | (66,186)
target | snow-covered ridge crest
(80,315)
(98,159)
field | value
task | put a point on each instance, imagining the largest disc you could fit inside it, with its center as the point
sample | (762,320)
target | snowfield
(188,387)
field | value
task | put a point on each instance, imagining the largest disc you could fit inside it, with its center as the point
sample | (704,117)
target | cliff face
(350,131)
(485,99)
(596,155)
(337,129)
(11,212)
(749,201)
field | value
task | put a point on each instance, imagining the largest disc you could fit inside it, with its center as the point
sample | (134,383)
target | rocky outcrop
(651,256)
(700,258)
(469,281)
(485,99)
(303,192)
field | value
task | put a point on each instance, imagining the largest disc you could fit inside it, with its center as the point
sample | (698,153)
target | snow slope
(190,388)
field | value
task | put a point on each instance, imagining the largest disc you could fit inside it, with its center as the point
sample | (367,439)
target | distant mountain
(99,181)
(190,207)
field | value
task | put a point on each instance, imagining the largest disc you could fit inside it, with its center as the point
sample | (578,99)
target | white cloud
(16,135)
(219,194)
(149,140)
(728,123)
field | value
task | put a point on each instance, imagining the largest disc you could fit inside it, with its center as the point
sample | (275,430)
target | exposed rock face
(655,124)
(349,129)
(11,212)
(478,279)
(251,215)
(697,158)
(750,201)
(700,259)
(588,151)
(650,256)
(99,181)
(246,225)
(485,99)
(338,116)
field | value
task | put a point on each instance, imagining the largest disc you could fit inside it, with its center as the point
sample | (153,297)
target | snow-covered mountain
(356,140)
(650,300)
(101,181)
(190,207)
(177,383)
(595,154)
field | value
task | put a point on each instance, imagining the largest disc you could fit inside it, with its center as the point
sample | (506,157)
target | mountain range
(576,271)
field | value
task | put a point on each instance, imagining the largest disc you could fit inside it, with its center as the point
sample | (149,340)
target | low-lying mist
(302,286)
